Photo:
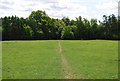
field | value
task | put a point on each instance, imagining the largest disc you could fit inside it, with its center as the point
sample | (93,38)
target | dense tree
(12,28)
(110,26)
(94,28)
(38,25)
(80,28)
(66,20)
(67,32)
(118,28)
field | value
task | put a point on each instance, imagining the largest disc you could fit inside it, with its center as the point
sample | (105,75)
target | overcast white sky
(60,8)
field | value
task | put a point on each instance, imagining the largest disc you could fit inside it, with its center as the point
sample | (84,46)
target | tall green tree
(38,25)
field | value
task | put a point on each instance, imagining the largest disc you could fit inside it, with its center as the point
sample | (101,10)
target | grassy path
(66,68)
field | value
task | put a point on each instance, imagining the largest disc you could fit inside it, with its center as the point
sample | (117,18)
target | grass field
(60,59)
(0,60)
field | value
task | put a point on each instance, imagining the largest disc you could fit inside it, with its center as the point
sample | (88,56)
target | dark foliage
(39,26)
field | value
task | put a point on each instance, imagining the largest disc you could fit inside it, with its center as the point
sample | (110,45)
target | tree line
(39,26)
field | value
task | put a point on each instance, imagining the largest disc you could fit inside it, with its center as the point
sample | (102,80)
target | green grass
(0,60)
(30,59)
(91,59)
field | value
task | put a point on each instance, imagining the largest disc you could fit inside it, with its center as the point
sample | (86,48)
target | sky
(60,8)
